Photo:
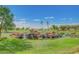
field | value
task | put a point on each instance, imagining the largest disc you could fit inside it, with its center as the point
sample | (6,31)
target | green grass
(13,45)
(50,46)
(45,46)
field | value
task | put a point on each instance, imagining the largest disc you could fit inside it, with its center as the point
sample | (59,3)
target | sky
(32,15)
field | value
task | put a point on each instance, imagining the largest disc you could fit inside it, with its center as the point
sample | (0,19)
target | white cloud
(70,18)
(66,18)
(38,26)
(49,17)
(36,19)
(20,23)
(20,19)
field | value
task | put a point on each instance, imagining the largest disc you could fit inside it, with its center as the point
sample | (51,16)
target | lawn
(49,46)
(53,46)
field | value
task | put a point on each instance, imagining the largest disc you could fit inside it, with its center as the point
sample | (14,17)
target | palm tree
(47,25)
(41,24)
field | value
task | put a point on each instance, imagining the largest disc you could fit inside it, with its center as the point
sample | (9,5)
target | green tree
(6,20)
(55,27)
(63,27)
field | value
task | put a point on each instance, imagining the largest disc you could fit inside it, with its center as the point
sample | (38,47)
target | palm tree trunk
(48,25)
(41,25)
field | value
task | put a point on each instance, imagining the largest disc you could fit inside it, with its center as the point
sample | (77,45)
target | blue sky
(31,15)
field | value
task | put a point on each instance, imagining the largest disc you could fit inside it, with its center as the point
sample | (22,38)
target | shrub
(14,45)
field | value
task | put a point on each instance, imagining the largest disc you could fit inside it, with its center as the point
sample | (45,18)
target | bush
(14,45)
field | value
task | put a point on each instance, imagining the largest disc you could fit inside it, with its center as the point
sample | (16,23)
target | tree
(41,25)
(47,24)
(6,20)
(55,27)
(63,27)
